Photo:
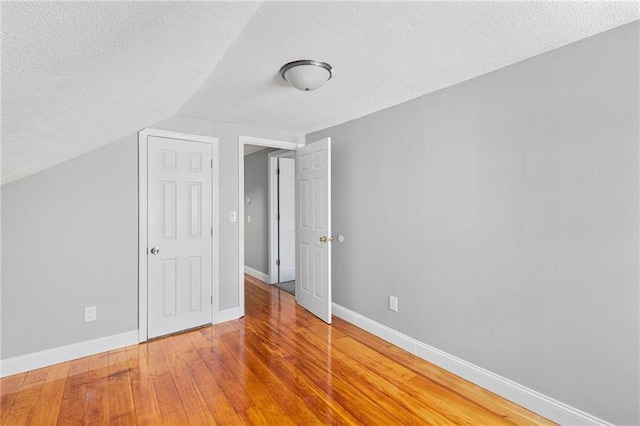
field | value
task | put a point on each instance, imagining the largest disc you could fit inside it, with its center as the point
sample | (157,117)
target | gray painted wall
(69,239)
(503,213)
(256,232)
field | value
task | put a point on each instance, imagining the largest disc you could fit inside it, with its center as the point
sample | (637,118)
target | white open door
(313,228)
(179,235)
(287,218)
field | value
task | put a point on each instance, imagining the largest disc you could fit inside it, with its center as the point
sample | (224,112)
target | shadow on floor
(288,286)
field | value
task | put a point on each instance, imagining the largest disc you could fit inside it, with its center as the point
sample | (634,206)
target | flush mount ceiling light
(306,75)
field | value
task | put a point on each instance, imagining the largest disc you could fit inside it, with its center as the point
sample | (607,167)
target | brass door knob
(324,239)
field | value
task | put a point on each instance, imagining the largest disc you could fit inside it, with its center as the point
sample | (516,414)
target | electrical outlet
(90,314)
(393,303)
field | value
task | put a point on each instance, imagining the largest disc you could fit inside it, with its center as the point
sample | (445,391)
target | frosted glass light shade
(306,75)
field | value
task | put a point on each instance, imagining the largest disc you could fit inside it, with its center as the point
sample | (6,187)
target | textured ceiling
(383,53)
(76,76)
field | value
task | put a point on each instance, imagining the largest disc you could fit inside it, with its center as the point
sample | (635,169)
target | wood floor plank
(230,382)
(317,395)
(73,404)
(387,392)
(194,405)
(167,396)
(214,397)
(35,377)
(427,397)
(97,397)
(120,395)
(145,403)
(9,388)
(26,399)
(261,365)
(263,407)
(369,408)
(48,405)
(453,383)
(278,365)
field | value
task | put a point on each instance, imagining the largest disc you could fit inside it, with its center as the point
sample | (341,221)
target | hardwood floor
(278,366)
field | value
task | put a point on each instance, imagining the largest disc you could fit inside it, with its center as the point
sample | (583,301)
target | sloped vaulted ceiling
(78,75)
(383,53)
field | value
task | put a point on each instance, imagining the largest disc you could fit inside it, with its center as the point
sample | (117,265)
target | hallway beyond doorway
(288,286)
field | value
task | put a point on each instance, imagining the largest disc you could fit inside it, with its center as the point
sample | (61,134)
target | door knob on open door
(155,250)
(324,239)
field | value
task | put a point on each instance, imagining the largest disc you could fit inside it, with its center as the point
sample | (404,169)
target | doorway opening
(269,215)
(283,218)
(259,252)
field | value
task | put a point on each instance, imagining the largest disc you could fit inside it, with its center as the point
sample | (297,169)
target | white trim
(215,222)
(242,141)
(66,353)
(273,222)
(273,211)
(543,405)
(227,315)
(142,220)
(256,274)
(142,236)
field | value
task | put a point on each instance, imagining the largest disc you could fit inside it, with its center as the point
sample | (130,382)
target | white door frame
(269,143)
(143,136)
(273,211)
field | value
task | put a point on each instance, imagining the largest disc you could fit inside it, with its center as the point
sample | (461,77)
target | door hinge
(277,171)
(278,216)
(212,231)
(278,262)
(212,163)
(212,300)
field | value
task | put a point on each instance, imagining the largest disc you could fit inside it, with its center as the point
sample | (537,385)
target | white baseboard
(257,274)
(66,353)
(534,401)
(226,315)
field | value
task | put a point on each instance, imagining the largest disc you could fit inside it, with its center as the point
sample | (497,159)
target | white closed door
(287,221)
(179,235)
(313,228)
